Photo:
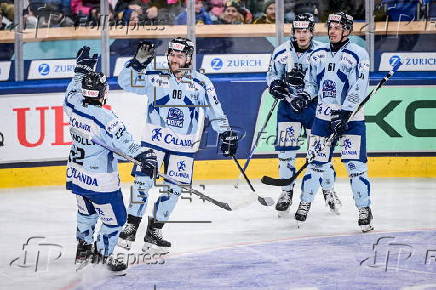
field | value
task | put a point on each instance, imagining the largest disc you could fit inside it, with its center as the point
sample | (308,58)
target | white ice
(399,205)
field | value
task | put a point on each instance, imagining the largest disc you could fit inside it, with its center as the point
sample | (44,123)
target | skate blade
(299,224)
(366,228)
(334,211)
(82,265)
(124,244)
(118,273)
(153,249)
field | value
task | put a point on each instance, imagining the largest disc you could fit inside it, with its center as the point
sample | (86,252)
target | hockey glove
(85,63)
(278,89)
(295,78)
(143,56)
(229,143)
(339,121)
(148,162)
(300,102)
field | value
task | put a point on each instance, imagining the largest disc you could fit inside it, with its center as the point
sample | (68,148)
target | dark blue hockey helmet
(303,21)
(342,18)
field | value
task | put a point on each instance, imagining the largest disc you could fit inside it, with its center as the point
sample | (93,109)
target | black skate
(117,266)
(153,238)
(332,201)
(302,211)
(365,217)
(83,254)
(285,200)
(127,236)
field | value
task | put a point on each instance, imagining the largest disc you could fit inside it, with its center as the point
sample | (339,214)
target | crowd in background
(61,13)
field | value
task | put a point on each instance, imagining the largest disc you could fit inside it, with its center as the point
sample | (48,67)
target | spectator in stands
(215,10)
(234,13)
(269,16)
(83,7)
(201,16)
(51,16)
(7,10)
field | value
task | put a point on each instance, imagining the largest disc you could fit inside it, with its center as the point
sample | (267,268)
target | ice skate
(127,236)
(83,254)
(365,217)
(284,201)
(154,243)
(332,201)
(301,213)
(116,266)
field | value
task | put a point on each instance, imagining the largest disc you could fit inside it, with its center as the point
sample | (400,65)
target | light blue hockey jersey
(339,80)
(284,58)
(91,168)
(176,109)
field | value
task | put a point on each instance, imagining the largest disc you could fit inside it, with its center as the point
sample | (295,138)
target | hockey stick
(256,142)
(266,201)
(164,176)
(333,138)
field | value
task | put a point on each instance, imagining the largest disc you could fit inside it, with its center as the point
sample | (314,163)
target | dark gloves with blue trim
(278,89)
(300,102)
(339,121)
(148,161)
(145,52)
(85,63)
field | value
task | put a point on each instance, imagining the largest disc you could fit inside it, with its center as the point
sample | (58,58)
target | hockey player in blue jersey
(92,173)
(178,100)
(338,77)
(285,77)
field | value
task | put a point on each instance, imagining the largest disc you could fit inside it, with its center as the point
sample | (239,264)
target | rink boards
(36,142)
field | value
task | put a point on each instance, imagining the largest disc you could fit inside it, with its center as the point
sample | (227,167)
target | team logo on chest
(328,89)
(175,117)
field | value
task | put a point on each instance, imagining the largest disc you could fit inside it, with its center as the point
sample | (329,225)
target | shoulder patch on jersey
(279,53)
(161,81)
(115,127)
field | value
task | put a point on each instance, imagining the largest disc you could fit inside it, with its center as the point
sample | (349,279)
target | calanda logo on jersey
(181,168)
(347,146)
(175,117)
(81,177)
(169,138)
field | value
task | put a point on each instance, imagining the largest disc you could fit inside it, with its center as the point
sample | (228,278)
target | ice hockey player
(92,170)
(338,77)
(178,99)
(285,77)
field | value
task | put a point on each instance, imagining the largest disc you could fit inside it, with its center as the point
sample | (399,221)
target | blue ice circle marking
(44,69)
(216,63)
(394,60)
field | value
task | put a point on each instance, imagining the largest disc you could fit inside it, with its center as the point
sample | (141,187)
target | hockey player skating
(338,77)
(92,172)
(178,99)
(285,77)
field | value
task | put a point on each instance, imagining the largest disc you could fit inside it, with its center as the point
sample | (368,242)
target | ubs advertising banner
(35,128)
(398,120)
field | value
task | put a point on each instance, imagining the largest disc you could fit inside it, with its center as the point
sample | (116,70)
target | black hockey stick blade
(274,181)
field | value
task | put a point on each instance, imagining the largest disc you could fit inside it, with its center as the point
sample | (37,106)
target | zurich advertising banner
(235,63)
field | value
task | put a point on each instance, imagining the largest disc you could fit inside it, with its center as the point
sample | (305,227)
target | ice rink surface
(247,248)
